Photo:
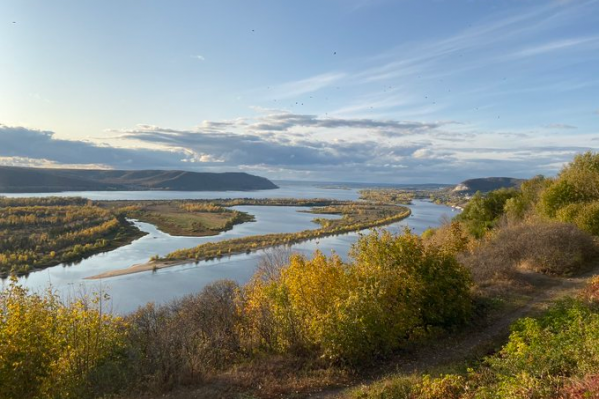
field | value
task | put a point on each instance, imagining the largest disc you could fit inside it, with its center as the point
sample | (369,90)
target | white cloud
(46,163)
(561,126)
(557,45)
(308,85)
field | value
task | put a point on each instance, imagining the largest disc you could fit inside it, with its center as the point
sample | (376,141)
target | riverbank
(356,217)
(37,233)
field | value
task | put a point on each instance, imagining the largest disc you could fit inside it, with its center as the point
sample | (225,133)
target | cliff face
(24,180)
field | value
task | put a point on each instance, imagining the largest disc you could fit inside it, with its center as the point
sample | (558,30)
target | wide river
(130,291)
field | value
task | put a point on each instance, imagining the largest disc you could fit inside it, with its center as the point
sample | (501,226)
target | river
(130,291)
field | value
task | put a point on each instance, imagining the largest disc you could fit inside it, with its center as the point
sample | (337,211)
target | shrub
(394,289)
(585,215)
(182,341)
(49,349)
(590,293)
(446,387)
(562,343)
(553,356)
(586,387)
(548,247)
(483,212)
(451,238)
(437,284)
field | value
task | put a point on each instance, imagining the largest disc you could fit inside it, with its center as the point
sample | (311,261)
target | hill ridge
(28,180)
(486,184)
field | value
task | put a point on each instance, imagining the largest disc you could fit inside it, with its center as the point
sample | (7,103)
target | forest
(440,196)
(41,232)
(406,316)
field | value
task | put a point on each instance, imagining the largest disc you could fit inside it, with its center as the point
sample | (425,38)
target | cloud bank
(283,145)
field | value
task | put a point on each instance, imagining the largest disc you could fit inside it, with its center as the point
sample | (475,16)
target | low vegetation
(555,355)
(355,217)
(542,246)
(181,218)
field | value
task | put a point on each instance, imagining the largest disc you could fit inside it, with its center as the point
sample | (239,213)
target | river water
(130,291)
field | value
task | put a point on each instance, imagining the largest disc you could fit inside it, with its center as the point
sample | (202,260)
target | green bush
(484,211)
(564,343)
(575,187)
(553,356)
(585,215)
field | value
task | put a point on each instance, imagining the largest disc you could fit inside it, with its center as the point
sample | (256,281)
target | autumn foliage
(395,289)
(49,349)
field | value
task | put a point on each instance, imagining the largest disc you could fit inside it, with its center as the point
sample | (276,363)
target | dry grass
(546,247)
(172,218)
(265,378)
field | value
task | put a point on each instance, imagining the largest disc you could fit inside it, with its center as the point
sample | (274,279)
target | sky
(376,91)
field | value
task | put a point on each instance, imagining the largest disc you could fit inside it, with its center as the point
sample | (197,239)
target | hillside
(29,180)
(487,184)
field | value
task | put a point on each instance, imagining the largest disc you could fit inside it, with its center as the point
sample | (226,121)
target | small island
(181,218)
(355,216)
(36,233)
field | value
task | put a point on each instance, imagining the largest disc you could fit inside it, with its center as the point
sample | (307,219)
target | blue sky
(342,90)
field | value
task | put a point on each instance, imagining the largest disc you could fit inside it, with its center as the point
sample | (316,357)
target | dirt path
(470,344)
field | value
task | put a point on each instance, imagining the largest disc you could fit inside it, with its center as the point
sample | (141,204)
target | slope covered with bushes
(323,314)
(394,291)
(552,356)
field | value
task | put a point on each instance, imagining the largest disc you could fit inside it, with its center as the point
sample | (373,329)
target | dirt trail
(474,344)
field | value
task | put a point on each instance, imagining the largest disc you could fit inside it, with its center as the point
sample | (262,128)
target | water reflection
(130,291)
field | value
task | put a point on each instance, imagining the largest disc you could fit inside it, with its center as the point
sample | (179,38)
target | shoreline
(139,268)
(154,265)
(133,234)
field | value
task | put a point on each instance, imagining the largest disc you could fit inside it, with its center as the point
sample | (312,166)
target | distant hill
(30,180)
(486,184)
